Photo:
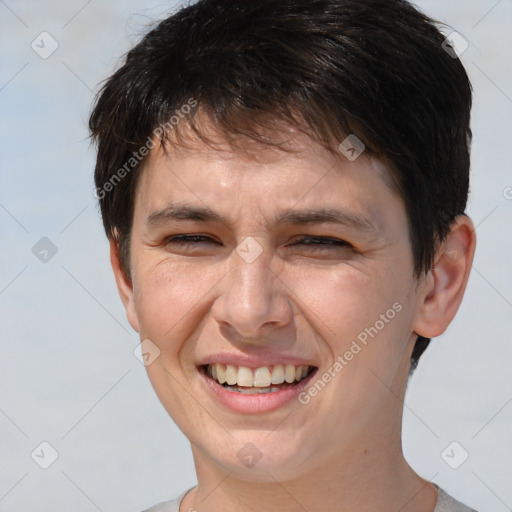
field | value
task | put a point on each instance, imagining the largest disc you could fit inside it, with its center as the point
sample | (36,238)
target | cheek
(341,302)
(365,321)
(361,316)
(168,298)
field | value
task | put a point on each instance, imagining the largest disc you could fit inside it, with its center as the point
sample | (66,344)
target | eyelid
(191,236)
(328,239)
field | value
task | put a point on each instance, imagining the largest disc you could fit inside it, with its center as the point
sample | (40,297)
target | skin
(342,450)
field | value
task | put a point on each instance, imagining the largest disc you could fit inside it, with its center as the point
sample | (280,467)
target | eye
(192,242)
(322,243)
(188,240)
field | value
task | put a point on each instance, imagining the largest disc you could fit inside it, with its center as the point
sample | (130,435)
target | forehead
(262,180)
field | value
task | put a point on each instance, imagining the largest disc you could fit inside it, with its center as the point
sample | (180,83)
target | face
(287,276)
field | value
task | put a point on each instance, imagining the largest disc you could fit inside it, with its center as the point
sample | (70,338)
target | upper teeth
(259,377)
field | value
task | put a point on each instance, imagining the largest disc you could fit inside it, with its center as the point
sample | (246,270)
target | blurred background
(80,426)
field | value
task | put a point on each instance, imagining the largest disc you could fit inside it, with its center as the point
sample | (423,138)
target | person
(283,184)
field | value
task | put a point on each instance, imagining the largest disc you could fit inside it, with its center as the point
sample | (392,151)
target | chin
(258,456)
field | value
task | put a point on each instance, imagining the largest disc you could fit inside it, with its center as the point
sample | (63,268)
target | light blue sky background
(68,375)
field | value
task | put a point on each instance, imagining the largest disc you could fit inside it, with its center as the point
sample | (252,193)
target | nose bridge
(252,297)
(252,283)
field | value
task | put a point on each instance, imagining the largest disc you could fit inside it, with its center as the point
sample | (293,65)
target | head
(230,121)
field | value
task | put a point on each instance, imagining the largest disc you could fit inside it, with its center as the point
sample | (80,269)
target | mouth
(255,381)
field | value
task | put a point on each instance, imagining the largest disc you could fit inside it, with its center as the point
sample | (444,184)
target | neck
(369,479)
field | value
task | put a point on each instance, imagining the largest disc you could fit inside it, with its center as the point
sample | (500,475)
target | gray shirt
(445,503)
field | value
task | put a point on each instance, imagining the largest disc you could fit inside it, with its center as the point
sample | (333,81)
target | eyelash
(319,242)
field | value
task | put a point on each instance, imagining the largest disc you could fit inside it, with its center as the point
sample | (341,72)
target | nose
(253,302)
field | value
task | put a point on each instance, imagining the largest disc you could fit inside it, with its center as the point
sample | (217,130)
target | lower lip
(255,403)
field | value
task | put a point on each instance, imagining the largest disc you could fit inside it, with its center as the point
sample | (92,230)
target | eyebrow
(186,212)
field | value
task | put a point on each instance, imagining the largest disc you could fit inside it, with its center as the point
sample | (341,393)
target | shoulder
(169,506)
(446,503)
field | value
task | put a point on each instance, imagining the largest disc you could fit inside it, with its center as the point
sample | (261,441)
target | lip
(268,359)
(256,403)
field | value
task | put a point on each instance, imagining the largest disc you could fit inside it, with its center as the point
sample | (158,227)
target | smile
(265,379)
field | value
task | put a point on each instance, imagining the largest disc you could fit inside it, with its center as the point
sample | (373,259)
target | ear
(443,288)
(124,285)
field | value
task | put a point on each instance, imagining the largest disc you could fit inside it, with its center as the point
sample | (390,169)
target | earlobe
(443,289)
(124,285)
